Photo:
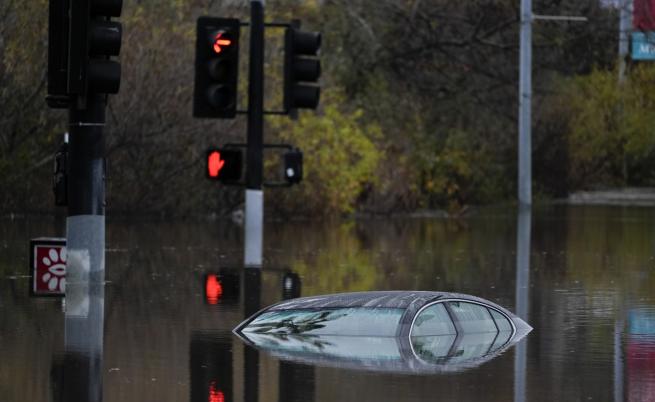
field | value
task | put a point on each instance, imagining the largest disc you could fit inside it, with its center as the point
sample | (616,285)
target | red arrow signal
(220,42)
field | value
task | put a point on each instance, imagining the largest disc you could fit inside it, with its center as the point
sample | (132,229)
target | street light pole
(525,105)
(625,25)
(525,96)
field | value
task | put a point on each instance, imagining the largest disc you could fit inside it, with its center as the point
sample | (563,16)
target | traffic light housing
(291,286)
(222,287)
(58,24)
(224,165)
(293,166)
(93,38)
(302,69)
(216,67)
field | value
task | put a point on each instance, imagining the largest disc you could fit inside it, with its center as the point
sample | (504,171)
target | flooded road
(582,277)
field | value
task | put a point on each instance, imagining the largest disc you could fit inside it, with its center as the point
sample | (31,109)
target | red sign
(48,266)
(643,15)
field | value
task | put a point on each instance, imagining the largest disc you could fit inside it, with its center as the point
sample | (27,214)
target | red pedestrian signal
(224,165)
(213,289)
(222,287)
(215,164)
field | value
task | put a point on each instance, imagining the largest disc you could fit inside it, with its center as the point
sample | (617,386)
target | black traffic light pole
(254,168)
(85,224)
(90,76)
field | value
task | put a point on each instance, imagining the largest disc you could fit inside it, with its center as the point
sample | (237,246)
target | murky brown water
(590,299)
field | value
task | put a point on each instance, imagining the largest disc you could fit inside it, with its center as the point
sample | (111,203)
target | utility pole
(625,26)
(525,105)
(522,295)
(525,97)
(254,221)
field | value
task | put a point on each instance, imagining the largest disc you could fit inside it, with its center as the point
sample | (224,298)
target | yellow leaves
(340,155)
(611,125)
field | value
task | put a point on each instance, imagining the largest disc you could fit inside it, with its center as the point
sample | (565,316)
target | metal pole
(252,285)
(85,223)
(618,359)
(525,105)
(85,245)
(254,173)
(625,25)
(523,242)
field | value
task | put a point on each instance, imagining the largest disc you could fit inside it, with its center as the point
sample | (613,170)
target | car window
(433,320)
(432,349)
(472,318)
(339,321)
(472,346)
(501,321)
(501,339)
(347,347)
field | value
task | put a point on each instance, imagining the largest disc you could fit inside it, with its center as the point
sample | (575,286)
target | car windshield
(359,321)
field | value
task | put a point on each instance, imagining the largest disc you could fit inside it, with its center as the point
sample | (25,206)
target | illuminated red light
(215,164)
(215,395)
(213,289)
(220,42)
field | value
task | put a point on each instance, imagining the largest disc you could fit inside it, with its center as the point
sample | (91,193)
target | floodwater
(583,277)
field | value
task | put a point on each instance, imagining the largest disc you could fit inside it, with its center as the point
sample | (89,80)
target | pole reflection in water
(618,360)
(252,284)
(84,318)
(522,297)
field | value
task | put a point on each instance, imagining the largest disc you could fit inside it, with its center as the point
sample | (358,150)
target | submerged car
(396,331)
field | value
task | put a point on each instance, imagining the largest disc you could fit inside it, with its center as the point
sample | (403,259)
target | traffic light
(222,287)
(224,165)
(293,166)
(302,69)
(58,54)
(291,286)
(93,39)
(217,67)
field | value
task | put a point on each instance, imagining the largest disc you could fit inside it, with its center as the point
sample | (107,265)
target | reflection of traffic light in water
(211,368)
(215,394)
(297,382)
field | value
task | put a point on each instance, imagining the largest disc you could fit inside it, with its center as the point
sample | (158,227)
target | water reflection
(211,364)
(640,355)
(252,303)
(590,269)
(80,370)
(523,244)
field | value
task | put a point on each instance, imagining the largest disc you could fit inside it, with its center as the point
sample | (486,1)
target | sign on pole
(643,46)
(48,266)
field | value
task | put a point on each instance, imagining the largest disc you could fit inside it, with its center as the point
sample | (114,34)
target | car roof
(378,299)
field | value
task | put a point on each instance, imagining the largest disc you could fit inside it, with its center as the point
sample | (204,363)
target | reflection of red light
(220,41)
(213,289)
(215,395)
(215,163)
